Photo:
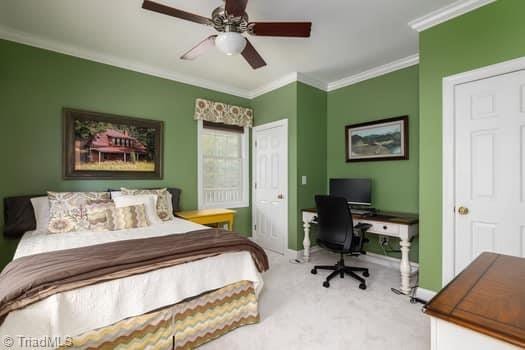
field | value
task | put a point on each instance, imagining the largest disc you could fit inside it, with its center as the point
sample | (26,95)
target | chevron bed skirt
(182,326)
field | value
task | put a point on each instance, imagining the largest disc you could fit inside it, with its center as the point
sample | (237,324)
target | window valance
(218,112)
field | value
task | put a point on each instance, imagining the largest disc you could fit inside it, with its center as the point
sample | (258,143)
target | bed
(179,306)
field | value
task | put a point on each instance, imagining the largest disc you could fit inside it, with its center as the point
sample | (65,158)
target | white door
(490,167)
(270,185)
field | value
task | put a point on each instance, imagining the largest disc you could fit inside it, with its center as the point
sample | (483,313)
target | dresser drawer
(383,227)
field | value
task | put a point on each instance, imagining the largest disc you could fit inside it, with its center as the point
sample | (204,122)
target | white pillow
(41,209)
(149,201)
(115,194)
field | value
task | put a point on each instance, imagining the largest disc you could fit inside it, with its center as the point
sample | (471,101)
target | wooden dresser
(483,307)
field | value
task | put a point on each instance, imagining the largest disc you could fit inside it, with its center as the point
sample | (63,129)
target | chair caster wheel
(362,286)
(342,275)
(326,284)
(314,272)
(366,274)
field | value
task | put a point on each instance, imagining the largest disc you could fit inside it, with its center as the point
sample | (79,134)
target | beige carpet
(298,313)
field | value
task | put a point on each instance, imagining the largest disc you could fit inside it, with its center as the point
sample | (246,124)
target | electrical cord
(413,290)
(390,249)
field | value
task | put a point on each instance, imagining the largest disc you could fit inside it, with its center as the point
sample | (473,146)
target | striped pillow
(125,218)
(97,215)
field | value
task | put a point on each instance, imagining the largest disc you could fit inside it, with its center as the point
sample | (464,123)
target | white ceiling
(348,36)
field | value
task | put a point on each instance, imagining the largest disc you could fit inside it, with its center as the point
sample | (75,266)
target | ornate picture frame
(106,146)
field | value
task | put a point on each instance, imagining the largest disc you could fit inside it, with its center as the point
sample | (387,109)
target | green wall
(305,109)
(311,151)
(491,34)
(394,183)
(35,84)
(276,105)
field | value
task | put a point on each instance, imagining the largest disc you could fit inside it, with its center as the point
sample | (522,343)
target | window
(223,166)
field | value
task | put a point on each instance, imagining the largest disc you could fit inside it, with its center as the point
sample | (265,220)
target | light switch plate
(303,180)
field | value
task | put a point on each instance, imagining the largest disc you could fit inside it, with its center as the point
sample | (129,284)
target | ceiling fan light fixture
(231,43)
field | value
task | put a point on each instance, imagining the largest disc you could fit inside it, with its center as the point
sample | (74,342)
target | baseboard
(299,254)
(293,254)
(425,294)
(373,258)
(386,261)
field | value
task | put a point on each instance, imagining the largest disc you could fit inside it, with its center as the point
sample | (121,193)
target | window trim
(245,154)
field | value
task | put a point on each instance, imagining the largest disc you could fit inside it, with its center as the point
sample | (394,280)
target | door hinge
(255,227)
(255,143)
(255,185)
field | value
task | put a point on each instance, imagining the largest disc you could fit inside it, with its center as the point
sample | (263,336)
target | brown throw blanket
(29,279)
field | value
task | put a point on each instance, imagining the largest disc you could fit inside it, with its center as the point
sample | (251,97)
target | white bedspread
(75,312)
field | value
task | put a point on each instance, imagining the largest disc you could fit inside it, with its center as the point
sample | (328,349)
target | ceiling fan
(231,21)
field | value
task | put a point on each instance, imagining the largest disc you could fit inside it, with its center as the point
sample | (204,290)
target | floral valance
(218,112)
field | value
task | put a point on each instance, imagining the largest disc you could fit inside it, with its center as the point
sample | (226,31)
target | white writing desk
(402,226)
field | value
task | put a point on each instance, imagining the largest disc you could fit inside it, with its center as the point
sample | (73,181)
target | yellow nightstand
(209,216)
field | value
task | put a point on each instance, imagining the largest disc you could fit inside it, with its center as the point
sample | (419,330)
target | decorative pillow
(163,201)
(67,210)
(173,192)
(41,208)
(97,215)
(149,201)
(124,218)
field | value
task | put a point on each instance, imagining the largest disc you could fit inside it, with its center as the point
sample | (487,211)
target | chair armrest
(359,230)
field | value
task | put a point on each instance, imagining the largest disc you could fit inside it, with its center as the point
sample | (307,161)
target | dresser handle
(385,227)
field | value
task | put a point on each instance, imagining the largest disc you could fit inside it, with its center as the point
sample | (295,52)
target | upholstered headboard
(175,198)
(19,216)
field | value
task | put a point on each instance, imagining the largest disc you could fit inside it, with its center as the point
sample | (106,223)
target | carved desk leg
(306,241)
(405,265)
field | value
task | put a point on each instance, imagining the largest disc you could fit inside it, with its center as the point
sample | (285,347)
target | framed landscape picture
(385,139)
(105,146)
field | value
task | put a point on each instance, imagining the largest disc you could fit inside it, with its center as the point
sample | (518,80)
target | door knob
(463,211)
(280,196)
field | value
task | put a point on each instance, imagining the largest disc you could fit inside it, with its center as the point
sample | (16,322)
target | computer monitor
(356,191)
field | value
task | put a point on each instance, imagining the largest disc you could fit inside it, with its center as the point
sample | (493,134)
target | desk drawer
(383,228)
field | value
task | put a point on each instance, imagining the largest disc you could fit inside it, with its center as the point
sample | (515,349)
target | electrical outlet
(383,241)
(303,180)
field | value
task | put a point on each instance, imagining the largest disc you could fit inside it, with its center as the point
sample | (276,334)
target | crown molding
(374,72)
(274,85)
(308,80)
(285,80)
(52,45)
(447,13)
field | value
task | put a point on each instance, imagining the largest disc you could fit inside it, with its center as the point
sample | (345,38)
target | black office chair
(338,234)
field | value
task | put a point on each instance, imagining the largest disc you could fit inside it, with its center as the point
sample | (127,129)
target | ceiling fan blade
(292,29)
(170,11)
(236,7)
(200,48)
(252,56)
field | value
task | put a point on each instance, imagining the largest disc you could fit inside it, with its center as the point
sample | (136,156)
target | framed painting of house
(385,139)
(106,146)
